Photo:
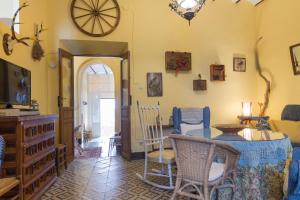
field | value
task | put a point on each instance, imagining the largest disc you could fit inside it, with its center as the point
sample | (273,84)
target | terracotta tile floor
(109,178)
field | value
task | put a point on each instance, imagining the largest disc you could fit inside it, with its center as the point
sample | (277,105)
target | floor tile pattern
(107,178)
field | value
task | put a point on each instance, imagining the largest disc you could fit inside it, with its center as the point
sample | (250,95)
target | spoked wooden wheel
(95,18)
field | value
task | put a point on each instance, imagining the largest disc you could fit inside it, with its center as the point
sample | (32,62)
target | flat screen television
(15,84)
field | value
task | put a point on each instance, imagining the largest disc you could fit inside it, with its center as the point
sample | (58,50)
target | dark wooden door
(125,107)
(66,102)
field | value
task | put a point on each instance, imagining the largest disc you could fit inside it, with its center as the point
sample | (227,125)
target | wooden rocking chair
(153,138)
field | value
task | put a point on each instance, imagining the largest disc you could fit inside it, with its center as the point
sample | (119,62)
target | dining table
(262,164)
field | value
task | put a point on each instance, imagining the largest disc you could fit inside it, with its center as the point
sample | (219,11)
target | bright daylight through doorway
(97,111)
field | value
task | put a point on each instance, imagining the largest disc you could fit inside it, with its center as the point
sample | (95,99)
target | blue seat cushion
(291,113)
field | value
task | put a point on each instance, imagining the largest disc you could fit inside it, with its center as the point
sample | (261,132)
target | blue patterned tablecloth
(261,166)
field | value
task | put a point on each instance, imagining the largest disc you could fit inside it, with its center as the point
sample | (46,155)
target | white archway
(95,83)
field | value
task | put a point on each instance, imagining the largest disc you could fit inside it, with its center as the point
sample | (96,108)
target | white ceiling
(98,69)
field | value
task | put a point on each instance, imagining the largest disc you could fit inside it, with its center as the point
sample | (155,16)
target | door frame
(65,54)
(126,110)
(122,56)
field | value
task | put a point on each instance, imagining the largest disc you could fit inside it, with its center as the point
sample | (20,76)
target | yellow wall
(220,30)
(80,64)
(35,13)
(278,24)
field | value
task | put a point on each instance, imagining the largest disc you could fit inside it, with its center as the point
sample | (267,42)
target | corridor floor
(109,178)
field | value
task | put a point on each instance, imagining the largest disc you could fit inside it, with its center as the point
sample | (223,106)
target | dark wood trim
(126,110)
(99,55)
(62,109)
(30,139)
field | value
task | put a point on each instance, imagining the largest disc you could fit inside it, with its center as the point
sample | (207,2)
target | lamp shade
(246,109)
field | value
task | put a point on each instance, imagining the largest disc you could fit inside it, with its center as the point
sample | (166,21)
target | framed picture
(295,55)
(178,61)
(217,72)
(239,64)
(154,85)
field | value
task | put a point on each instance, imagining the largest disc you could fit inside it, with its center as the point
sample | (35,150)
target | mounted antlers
(10,40)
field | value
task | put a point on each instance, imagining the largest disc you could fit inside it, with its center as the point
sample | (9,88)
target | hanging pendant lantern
(187,8)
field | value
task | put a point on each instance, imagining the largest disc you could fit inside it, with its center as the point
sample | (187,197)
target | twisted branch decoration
(268,83)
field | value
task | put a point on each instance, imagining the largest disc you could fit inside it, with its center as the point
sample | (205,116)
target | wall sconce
(247,109)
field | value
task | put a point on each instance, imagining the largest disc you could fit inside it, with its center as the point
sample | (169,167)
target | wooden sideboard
(30,152)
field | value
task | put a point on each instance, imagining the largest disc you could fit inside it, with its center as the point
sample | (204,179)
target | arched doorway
(97,105)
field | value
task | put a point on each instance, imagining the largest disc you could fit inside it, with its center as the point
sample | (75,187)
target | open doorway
(97,105)
(69,116)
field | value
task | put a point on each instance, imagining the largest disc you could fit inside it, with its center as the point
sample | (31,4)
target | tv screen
(15,84)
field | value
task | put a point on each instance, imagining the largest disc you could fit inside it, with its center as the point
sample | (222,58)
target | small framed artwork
(295,55)
(178,61)
(217,72)
(239,64)
(154,85)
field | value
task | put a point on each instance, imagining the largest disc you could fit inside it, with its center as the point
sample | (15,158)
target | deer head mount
(10,40)
(37,50)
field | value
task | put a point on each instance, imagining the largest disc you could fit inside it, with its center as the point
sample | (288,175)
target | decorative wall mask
(95,18)
(10,40)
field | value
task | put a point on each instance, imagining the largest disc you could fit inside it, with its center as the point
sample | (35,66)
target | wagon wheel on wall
(96,18)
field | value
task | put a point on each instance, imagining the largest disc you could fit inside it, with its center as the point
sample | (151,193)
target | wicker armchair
(153,139)
(9,187)
(198,176)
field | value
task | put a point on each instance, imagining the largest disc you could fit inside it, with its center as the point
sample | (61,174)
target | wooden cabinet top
(27,118)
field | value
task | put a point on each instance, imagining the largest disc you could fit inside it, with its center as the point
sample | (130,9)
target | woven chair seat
(6,184)
(168,156)
(216,171)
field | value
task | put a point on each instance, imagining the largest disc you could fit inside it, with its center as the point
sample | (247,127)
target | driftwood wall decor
(264,106)
(178,61)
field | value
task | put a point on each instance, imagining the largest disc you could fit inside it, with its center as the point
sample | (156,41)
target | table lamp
(247,109)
